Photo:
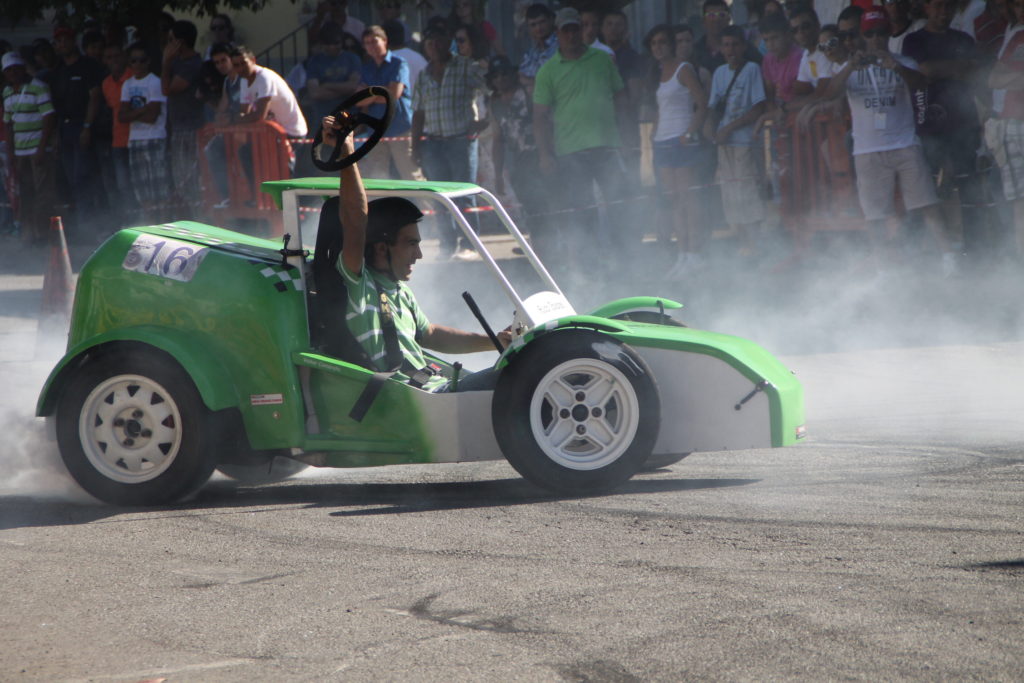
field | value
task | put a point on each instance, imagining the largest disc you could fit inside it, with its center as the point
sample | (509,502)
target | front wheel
(576,412)
(133,430)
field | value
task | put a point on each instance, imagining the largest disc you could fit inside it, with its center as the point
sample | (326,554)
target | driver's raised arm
(352,211)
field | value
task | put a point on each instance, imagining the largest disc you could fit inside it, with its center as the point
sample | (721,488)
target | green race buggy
(189,350)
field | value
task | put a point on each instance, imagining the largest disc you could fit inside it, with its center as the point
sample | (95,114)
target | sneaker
(949,264)
(466,255)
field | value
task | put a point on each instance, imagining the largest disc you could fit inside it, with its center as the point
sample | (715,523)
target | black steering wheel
(329,161)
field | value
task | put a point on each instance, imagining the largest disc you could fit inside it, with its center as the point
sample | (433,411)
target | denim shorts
(673,153)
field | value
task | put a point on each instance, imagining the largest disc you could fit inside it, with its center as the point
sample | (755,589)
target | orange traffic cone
(58,283)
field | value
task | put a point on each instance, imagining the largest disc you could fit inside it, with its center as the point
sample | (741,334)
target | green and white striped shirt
(25,108)
(362,315)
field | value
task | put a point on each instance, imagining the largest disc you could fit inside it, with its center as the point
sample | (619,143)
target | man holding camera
(878,86)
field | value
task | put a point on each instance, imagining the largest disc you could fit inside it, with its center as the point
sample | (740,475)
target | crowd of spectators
(928,96)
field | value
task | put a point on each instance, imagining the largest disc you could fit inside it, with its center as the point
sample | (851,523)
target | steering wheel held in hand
(377,126)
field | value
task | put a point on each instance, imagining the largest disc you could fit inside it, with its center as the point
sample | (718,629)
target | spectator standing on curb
(575,126)
(332,75)
(143,106)
(75,89)
(116,172)
(631,66)
(1005,134)
(540,22)
(443,113)
(781,63)
(814,64)
(514,150)
(29,123)
(737,101)
(263,95)
(708,50)
(901,24)
(179,80)
(222,30)
(591,27)
(470,13)
(949,128)
(682,108)
(382,67)
(886,149)
(397,36)
(333,11)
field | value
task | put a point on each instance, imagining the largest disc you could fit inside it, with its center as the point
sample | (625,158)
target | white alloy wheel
(584,414)
(130,429)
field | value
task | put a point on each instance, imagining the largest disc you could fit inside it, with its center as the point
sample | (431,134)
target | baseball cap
(12,59)
(566,16)
(874,18)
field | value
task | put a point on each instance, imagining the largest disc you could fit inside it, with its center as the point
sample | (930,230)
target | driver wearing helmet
(381,243)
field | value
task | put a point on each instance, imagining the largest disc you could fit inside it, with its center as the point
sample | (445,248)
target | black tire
(273,470)
(556,455)
(656,462)
(133,430)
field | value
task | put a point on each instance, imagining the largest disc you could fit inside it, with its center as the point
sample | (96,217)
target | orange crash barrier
(817,184)
(235,160)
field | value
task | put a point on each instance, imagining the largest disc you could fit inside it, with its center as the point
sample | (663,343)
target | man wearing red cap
(878,87)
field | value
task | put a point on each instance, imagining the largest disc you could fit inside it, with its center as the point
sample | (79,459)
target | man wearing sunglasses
(878,86)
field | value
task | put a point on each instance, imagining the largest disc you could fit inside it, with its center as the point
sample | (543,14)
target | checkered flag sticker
(284,277)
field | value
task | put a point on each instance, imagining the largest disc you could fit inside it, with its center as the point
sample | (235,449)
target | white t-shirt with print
(881,108)
(284,108)
(139,92)
(815,65)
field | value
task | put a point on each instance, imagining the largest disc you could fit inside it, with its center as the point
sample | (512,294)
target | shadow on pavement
(356,499)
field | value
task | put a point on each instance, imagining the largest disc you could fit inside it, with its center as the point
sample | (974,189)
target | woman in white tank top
(678,151)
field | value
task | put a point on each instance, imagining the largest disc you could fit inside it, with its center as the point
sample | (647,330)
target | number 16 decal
(164,258)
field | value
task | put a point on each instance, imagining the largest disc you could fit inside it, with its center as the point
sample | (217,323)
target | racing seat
(328,297)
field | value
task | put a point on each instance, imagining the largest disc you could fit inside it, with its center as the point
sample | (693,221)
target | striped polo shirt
(362,315)
(25,107)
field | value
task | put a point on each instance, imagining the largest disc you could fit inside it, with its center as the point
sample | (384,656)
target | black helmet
(386,216)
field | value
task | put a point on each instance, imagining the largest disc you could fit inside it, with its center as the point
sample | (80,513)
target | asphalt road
(889,545)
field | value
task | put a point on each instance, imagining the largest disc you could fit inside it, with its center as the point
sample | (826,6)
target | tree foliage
(139,13)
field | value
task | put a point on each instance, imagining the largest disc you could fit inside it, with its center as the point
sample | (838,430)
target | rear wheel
(133,430)
(576,412)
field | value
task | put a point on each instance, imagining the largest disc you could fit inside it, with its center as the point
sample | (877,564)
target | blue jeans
(79,165)
(450,159)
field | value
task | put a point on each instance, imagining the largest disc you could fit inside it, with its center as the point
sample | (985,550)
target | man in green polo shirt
(380,246)
(575,98)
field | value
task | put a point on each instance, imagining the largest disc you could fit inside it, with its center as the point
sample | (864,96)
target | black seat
(328,298)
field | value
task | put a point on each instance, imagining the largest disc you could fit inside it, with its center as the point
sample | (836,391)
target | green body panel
(614,308)
(230,328)
(784,391)
(276,188)
(393,427)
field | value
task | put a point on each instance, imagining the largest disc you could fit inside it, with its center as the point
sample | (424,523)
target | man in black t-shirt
(75,89)
(947,119)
